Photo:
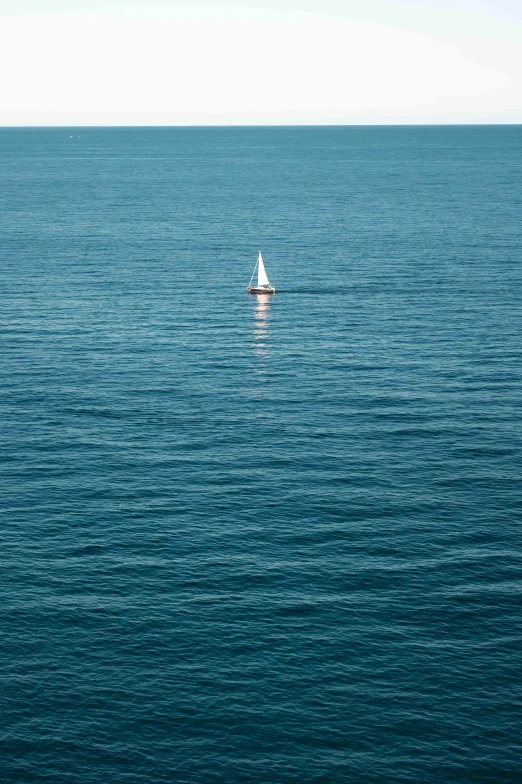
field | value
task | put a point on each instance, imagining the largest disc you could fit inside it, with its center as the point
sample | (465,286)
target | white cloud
(197,64)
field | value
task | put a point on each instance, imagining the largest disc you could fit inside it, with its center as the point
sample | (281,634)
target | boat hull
(261,290)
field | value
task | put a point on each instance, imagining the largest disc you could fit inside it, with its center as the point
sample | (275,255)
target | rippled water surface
(261,539)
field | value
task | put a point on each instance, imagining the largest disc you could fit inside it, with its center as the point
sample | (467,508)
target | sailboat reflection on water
(261,318)
(263,284)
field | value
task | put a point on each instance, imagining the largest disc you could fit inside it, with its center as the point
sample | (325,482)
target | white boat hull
(261,290)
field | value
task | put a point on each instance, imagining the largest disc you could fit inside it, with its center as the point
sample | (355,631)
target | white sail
(262,279)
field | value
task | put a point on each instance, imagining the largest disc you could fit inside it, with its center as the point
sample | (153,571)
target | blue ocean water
(261,539)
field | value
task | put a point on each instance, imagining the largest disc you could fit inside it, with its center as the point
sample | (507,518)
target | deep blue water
(261,540)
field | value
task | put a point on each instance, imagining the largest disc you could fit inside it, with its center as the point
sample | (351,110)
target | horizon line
(273,125)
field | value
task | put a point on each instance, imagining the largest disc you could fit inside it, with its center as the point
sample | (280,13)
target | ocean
(261,539)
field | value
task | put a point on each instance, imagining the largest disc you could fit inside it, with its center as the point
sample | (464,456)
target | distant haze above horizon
(264,62)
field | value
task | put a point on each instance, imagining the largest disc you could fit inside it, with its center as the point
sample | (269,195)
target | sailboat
(263,284)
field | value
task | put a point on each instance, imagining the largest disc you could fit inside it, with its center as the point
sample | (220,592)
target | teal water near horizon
(271,539)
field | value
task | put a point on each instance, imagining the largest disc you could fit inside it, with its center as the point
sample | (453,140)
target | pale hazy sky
(82,62)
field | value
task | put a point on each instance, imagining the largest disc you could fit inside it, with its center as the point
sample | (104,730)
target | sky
(260,62)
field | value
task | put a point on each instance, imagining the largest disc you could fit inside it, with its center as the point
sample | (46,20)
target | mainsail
(262,279)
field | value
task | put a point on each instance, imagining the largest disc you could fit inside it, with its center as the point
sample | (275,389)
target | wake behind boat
(263,284)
